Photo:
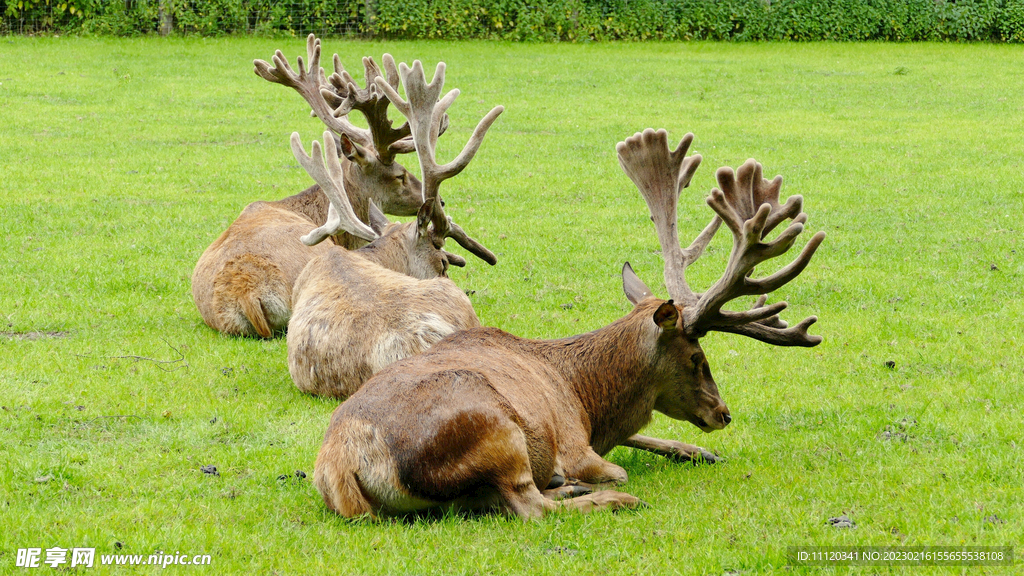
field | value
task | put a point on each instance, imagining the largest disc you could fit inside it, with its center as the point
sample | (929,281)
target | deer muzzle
(715,419)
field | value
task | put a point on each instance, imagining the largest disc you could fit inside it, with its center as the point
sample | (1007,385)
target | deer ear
(354,152)
(424,215)
(634,288)
(666,316)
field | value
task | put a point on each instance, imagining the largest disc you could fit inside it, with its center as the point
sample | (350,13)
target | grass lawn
(122,160)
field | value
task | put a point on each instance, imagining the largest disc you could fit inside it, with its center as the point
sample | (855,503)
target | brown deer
(242,283)
(485,419)
(352,315)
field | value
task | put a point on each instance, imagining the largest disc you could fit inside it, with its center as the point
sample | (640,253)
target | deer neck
(389,251)
(311,203)
(611,373)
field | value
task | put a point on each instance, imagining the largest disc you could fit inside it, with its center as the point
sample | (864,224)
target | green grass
(121,160)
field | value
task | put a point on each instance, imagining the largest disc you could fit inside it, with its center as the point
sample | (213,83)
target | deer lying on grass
(242,284)
(485,419)
(352,316)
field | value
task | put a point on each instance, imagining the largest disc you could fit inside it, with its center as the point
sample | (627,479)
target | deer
(353,316)
(487,420)
(242,283)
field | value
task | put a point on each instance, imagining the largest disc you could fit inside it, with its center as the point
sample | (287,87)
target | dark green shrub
(905,20)
(1010,23)
(966,19)
(539,20)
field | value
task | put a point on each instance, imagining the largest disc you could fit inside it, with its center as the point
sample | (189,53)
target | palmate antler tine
(660,174)
(455,232)
(736,204)
(771,321)
(757,192)
(308,82)
(425,110)
(345,95)
(779,336)
(340,215)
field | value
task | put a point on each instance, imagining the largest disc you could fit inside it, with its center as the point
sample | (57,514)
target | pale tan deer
(242,283)
(352,316)
(485,419)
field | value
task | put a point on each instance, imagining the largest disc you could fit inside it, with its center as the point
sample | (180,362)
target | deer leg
(594,472)
(522,498)
(671,449)
(529,503)
(566,491)
(604,500)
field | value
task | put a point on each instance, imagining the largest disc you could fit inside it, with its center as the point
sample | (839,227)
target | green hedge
(547,20)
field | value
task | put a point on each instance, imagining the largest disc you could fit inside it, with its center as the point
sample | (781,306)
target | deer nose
(726,418)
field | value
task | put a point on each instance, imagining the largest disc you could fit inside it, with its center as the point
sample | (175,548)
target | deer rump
(242,283)
(351,318)
(466,423)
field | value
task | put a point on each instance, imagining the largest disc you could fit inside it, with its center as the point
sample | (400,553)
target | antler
(347,96)
(309,84)
(749,206)
(426,114)
(330,178)
(660,175)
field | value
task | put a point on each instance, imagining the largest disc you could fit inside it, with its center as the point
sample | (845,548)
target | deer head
(686,388)
(749,206)
(371,170)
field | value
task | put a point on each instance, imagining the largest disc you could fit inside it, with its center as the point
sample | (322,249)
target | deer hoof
(695,455)
(566,491)
(556,481)
(707,457)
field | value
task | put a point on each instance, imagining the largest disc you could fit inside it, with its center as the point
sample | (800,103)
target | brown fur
(486,419)
(250,270)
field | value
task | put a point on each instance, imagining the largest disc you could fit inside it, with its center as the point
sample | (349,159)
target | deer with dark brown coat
(242,283)
(485,419)
(352,316)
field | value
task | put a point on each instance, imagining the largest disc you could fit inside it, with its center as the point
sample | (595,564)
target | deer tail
(250,291)
(254,314)
(335,475)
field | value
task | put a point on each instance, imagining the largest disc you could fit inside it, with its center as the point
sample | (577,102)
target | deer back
(352,317)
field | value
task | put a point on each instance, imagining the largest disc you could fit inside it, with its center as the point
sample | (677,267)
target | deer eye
(698,362)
